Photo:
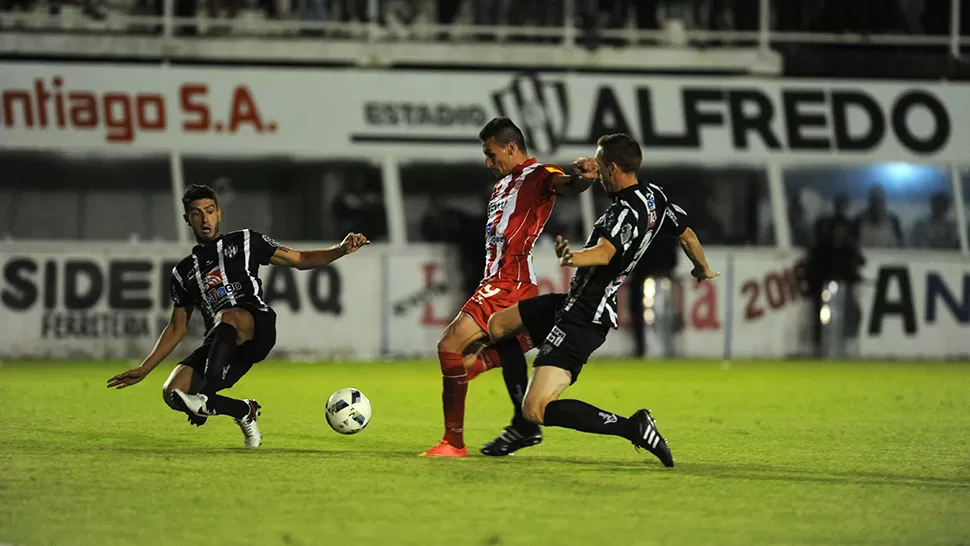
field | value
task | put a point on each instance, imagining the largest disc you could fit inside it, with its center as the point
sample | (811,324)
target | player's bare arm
(169,339)
(693,249)
(601,254)
(310,259)
(586,173)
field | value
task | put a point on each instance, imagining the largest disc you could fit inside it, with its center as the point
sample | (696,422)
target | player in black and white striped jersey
(575,324)
(221,279)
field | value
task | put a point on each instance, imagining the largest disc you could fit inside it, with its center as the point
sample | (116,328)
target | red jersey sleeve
(548,174)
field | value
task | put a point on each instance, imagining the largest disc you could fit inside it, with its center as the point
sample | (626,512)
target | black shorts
(564,339)
(249,353)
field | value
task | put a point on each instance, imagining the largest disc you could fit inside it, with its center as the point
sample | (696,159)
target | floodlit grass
(769,453)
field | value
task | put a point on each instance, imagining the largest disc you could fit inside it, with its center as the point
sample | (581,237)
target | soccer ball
(348,411)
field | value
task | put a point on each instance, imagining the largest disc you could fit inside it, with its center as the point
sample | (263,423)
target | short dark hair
(503,130)
(196,192)
(623,150)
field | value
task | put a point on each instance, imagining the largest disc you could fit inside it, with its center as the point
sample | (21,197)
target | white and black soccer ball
(348,411)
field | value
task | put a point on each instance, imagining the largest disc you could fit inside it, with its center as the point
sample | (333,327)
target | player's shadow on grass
(792,474)
(763,473)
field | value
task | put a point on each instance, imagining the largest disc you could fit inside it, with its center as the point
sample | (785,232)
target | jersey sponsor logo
(496,205)
(495,240)
(652,218)
(213,278)
(217,295)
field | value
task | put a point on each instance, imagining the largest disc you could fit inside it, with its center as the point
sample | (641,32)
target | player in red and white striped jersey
(521,203)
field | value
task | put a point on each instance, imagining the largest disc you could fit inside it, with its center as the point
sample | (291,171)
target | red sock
(487,359)
(453,392)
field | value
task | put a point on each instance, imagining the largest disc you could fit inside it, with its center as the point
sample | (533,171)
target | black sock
(583,417)
(223,405)
(515,372)
(222,350)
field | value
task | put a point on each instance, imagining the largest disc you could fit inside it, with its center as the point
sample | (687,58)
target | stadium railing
(575,41)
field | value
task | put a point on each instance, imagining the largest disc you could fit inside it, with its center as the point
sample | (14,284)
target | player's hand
(563,252)
(702,274)
(352,243)
(127,379)
(587,168)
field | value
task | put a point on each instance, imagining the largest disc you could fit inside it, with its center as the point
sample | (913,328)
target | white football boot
(192,404)
(248,425)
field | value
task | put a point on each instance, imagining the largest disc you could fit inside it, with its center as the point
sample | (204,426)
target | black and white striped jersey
(637,215)
(223,274)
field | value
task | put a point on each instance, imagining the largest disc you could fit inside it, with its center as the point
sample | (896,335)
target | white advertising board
(436,115)
(111,300)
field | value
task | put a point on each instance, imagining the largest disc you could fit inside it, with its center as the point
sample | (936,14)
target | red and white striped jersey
(520,206)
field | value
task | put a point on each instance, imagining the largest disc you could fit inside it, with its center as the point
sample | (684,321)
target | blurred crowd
(877,226)
(407,17)
(836,242)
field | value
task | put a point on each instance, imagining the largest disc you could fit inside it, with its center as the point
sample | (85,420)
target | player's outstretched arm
(170,338)
(586,172)
(310,259)
(692,247)
(601,254)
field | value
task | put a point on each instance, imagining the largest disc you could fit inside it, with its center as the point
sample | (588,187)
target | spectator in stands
(876,226)
(839,217)
(937,231)
(362,207)
(835,258)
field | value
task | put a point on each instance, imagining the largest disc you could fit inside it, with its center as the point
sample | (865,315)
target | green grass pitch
(767,453)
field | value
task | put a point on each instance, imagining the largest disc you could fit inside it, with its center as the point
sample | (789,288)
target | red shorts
(492,297)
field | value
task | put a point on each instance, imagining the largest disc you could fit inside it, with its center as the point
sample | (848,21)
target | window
(888,205)
(725,205)
(294,200)
(62,195)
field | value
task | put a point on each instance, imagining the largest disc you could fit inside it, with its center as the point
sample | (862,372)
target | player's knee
(167,396)
(445,345)
(497,329)
(534,409)
(240,321)
(449,343)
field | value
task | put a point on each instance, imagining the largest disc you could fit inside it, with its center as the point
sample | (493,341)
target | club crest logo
(626,234)
(231,251)
(541,107)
